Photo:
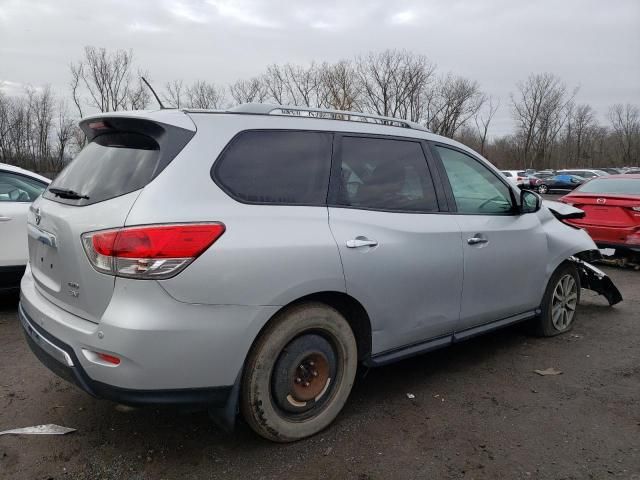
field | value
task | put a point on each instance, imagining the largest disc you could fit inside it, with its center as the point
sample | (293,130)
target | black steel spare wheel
(299,372)
(302,378)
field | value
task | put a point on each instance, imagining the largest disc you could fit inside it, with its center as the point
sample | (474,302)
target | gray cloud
(591,44)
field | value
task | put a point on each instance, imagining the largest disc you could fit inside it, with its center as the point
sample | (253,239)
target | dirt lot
(479,412)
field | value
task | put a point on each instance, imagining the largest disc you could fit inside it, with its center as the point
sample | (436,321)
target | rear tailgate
(95,191)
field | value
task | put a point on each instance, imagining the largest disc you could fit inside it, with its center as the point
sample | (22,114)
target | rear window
(113,164)
(276,167)
(620,186)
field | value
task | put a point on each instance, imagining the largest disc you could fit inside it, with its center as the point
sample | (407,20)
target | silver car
(249,260)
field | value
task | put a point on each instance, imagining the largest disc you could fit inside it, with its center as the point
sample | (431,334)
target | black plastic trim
(441,341)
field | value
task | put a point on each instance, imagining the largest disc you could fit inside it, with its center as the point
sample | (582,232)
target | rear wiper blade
(64,193)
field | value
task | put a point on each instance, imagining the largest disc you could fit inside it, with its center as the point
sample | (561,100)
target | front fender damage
(595,279)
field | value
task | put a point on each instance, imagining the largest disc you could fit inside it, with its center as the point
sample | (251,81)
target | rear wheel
(543,189)
(560,302)
(299,373)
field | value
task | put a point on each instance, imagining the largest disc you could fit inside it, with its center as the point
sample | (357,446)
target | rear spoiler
(171,139)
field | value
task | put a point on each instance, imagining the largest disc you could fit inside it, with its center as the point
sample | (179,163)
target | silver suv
(249,260)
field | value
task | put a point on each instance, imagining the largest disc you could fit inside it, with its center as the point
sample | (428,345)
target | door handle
(4,219)
(477,240)
(361,242)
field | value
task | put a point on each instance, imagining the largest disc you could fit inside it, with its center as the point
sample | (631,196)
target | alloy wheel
(564,302)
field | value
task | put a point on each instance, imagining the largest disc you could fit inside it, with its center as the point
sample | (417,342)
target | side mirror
(530,202)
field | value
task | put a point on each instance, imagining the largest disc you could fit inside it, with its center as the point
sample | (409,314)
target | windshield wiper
(65,193)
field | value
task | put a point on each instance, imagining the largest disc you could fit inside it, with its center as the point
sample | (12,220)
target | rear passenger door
(504,251)
(402,258)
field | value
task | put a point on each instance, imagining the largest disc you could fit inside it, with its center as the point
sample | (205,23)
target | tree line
(551,129)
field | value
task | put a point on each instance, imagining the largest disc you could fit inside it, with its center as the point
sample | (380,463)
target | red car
(612,210)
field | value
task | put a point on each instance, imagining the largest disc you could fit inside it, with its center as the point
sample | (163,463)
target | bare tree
(339,86)
(302,85)
(483,120)
(625,122)
(248,91)
(174,95)
(455,102)
(540,108)
(391,83)
(103,80)
(64,137)
(275,83)
(579,133)
(205,95)
(138,94)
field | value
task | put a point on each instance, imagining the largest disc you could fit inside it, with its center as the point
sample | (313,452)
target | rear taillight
(149,252)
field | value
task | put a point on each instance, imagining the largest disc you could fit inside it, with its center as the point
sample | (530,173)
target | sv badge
(74,289)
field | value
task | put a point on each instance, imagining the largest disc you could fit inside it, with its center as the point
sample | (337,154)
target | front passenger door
(504,251)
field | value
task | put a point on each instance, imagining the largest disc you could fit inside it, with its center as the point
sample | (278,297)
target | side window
(277,167)
(476,189)
(19,188)
(385,174)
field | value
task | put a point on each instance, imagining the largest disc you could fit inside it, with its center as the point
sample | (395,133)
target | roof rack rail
(326,114)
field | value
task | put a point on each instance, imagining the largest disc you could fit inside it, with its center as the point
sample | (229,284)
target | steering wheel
(492,199)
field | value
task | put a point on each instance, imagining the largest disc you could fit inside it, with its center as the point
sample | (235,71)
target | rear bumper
(171,352)
(61,360)
(626,238)
(618,246)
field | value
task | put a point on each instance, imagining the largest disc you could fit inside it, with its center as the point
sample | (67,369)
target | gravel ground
(479,411)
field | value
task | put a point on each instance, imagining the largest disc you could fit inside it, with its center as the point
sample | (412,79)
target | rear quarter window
(276,167)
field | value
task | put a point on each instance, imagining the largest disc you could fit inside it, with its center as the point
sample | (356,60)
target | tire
(282,398)
(560,302)
(542,189)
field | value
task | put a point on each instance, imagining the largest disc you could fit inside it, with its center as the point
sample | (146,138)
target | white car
(519,177)
(18,188)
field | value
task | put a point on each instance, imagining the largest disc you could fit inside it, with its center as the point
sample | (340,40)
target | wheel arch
(350,308)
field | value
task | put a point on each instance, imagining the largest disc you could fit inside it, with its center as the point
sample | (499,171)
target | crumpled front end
(595,279)
(567,242)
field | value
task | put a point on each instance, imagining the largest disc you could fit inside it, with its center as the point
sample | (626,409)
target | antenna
(154,92)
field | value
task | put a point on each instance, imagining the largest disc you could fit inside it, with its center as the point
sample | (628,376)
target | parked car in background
(632,171)
(520,177)
(612,171)
(584,173)
(314,244)
(559,183)
(18,188)
(612,210)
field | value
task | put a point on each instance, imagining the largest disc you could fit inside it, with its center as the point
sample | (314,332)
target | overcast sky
(593,44)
